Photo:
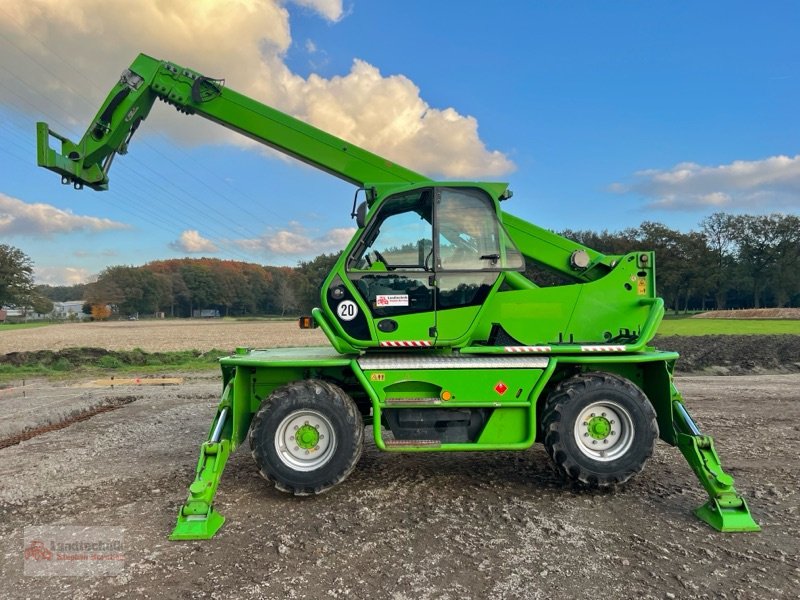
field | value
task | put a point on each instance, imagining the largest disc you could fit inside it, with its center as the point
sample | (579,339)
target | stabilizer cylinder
(197,519)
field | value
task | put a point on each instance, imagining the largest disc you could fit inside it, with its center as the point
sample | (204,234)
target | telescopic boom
(87,162)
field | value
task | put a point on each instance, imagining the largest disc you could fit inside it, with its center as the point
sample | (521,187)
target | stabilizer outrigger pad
(197,527)
(727,518)
(725,510)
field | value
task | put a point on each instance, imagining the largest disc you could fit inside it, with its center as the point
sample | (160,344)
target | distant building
(16,314)
(205,313)
(71,309)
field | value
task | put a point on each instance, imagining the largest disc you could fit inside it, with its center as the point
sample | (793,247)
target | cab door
(472,250)
(393,270)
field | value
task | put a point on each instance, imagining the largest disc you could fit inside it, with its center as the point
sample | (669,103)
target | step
(396,401)
(412,443)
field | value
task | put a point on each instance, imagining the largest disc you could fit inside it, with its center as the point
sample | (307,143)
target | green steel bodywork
(499,355)
(251,375)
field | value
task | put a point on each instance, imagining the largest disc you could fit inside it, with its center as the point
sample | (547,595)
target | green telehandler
(438,340)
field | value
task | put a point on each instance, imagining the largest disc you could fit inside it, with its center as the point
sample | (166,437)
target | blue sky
(600,115)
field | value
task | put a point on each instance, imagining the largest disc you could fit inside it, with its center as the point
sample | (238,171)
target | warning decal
(641,287)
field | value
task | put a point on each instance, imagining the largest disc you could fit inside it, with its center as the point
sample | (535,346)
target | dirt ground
(470,525)
(494,525)
(158,336)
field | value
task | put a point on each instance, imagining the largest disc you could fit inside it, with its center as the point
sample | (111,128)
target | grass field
(687,326)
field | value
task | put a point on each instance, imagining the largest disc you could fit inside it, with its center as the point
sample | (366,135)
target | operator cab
(423,266)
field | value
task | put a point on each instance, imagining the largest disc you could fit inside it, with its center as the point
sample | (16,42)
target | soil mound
(734,354)
(78,357)
(711,354)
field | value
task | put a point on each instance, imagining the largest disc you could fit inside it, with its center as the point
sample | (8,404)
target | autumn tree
(100,312)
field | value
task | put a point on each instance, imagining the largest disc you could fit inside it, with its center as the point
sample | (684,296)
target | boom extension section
(87,162)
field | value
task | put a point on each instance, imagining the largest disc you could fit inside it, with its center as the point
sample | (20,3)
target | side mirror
(361,215)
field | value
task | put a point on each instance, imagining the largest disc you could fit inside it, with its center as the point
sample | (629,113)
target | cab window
(469,236)
(401,239)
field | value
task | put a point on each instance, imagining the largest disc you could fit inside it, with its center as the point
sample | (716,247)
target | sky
(600,115)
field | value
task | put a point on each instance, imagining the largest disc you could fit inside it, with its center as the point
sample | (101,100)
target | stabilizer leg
(197,519)
(725,510)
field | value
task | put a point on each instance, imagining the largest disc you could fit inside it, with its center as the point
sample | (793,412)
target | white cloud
(330,9)
(44,220)
(249,38)
(298,242)
(192,242)
(61,275)
(770,183)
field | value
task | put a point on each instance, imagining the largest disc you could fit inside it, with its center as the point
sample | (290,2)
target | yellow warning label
(642,286)
(377,377)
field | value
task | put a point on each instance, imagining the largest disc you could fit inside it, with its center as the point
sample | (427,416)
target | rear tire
(600,429)
(307,437)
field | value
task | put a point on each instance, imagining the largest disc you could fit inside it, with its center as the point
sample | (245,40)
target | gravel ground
(494,525)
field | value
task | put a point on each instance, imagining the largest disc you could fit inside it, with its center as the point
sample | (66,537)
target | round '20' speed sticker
(347,310)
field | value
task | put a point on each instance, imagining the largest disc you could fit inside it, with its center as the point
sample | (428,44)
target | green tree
(718,230)
(62,293)
(310,276)
(16,277)
(258,297)
(784,281)
(201,286)
(758,251)
(41,305)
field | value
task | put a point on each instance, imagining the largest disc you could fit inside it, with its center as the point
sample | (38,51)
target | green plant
(109,362)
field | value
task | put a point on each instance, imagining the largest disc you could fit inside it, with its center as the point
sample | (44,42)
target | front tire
(307,437)
(600,429)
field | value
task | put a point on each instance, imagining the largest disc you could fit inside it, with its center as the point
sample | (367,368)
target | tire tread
(566,392)
(297,392)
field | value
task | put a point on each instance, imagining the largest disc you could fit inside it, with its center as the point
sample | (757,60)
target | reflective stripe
(603,348)
(406,344)
(527,348)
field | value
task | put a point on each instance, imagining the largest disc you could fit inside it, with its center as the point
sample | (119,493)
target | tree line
(730,261)
(181,287)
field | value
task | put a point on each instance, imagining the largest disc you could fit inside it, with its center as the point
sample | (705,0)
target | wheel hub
(604,430)
(599,428)
(306,437)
